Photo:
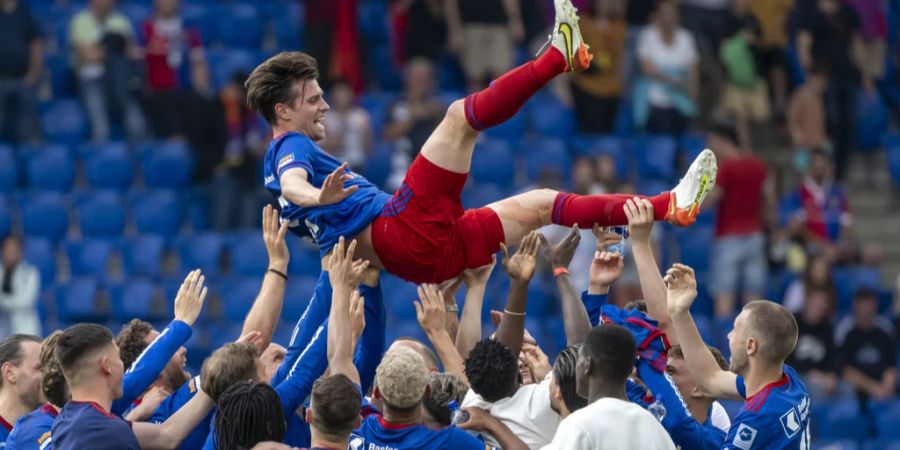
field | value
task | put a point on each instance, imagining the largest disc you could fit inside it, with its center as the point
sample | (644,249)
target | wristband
(279,273)
(451,308)
(559,271)
(517,314)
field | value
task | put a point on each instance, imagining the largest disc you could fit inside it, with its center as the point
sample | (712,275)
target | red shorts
(424,235)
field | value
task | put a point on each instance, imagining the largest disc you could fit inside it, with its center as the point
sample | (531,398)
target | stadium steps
(877,217)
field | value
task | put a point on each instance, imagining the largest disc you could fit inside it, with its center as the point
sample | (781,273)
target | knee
(456,112)
(545,209)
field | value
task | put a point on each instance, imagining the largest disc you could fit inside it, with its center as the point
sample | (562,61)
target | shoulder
(460,439)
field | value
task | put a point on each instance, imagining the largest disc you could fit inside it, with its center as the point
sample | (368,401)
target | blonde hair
(401,377)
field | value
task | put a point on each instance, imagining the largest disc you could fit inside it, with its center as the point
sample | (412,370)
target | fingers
(505,251)
(420,312)
(630,211)
(544,240)
(282,231)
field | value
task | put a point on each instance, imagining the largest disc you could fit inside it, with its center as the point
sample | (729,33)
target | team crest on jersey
(356,442)
(790,421)
(744,437)
(285,160)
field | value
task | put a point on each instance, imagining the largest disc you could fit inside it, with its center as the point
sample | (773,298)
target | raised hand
(520,267)
(190,297)
(681,288)
(560,255)
(273,237)
(253,338)
(430,309)
(478,419)
(332,190)
(149,402)
(639,212)
(343,270)
(606,268)
(357,314)
(479,276)
(536,360)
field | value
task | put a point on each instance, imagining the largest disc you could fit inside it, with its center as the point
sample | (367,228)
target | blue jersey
(173,403)
(776,418)
(32,432)
(323,224)
(5,429)
(151,362)
(86,425)
(375,432)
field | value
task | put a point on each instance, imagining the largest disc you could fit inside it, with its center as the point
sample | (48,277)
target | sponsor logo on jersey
(285,160)
(744,437)
(790,421)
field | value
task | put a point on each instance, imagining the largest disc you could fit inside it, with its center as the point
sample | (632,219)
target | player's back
(86,425)
(323,224)
(173,403)
(32,431)
(776,418)
(374,433)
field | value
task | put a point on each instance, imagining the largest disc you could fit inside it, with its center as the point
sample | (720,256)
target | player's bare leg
(523,213)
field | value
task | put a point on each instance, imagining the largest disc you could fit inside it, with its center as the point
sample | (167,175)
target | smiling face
(306,113)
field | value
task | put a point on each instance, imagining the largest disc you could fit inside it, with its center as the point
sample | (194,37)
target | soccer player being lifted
(422,233)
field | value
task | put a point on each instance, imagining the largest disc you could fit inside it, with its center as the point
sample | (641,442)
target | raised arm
(640,226)
(154,358)
(606,268)
(575,316)
(681,293)
(169,434)
(307,326)
(296,188)
(371,342)
(469,331)
(520,268)
(345,275)
(430,315)
(266,309)
(482,421)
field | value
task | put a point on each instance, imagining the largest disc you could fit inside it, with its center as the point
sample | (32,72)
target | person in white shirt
(609,421)
(20,284)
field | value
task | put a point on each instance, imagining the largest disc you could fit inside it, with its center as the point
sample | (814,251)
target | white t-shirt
(677,57)
(719,417)
(527,413)
(611,424)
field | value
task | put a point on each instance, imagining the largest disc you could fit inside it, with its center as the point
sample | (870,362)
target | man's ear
(309,416)
(105,366)
(697,392)
(752,346)
(7,372)
(376,394)
(427,391)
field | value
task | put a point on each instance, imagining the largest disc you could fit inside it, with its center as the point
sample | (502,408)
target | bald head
(431,360)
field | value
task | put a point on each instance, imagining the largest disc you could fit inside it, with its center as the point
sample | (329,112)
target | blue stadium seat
(248,254)
(168,166)
(64,122)
(887,419)
(40,253)
(50,169)
(90,257)
(546,154)
(386,71)
(894,164)
(551,118)
(695,244)
(225,63)
(655,156)
(871,120)
(840,444)
(203,252)
(200,17)
(9,169)
(493,162)
(378,164)
(110,167)
(139,298)
(238,295)
(78,301)
(45,215)
(5,217)
(158,212)
(652,187)
(512,130)
(691,145)
(101,215)
(449,73)
(305,259)
(378,105)
(398,297)
(372,21)
(136,14)
(239,27)
(298,293)
(845,287)
(287,33)
(143,254)
(840,419)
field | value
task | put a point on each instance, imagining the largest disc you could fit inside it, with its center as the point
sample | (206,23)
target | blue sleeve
(316,312)
(311,364)
(459,439)
(593,303)
(739,385)
(371,344)
(146,369)
(686,432)
(295,151)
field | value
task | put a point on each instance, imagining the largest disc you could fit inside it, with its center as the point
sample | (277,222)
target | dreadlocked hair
(53,382)
(249,413)
(445,387)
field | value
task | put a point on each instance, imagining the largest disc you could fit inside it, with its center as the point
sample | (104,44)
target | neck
(604,389)
(404,417)
(98,395)
(699,408)
(758,377)
(324,442)
(11,406)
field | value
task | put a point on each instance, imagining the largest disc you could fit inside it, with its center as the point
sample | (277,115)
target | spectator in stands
(664,98)
(746,96)
(20,285)
(605,361)
(413,117)
(872,34)
(103,45)
(349,127)
(772,16)
(868,350)
(828,35)
(806,118)
(20,379)
(22,47)
(817,275)
(708,21)
(744,193)
(821,212)
(815,357)
(597,91)
(171,52)
(483,32)
(420,27)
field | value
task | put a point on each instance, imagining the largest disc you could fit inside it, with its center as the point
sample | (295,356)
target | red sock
(604,210)
(506,95)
